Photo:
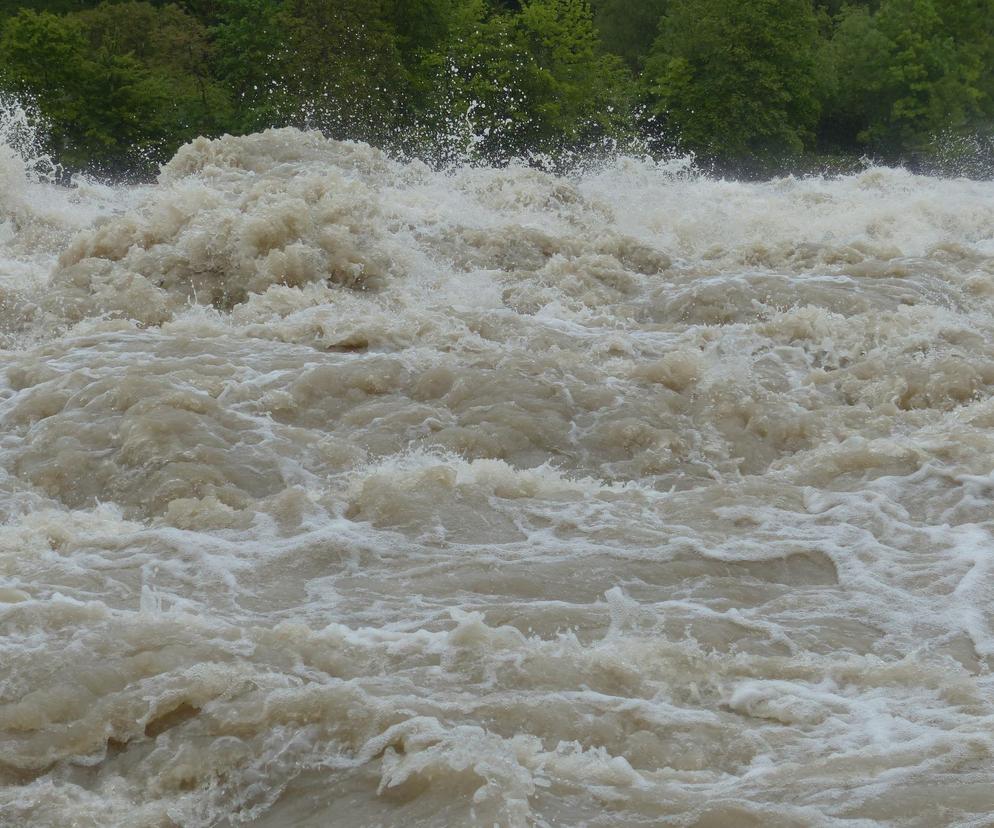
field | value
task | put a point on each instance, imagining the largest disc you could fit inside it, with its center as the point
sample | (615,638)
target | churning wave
(342,490)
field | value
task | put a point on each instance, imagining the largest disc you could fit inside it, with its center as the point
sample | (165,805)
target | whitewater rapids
(338,491)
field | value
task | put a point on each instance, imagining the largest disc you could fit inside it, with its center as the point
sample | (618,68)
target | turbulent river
(339,491)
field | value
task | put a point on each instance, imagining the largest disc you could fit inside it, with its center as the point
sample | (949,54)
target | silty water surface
(339,491)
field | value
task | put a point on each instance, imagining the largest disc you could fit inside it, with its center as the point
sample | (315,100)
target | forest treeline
(122,83)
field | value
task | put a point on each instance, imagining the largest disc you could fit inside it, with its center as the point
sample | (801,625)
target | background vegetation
(755,83)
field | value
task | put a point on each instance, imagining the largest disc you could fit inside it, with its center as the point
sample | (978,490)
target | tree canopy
(122,83)
(736,77)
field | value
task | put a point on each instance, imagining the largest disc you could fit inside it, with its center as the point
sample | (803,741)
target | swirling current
(336,490)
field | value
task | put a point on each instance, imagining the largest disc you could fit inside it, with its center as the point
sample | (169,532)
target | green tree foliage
(346,66)
(912,70)
(120,85)
(536,80)
(9,8)
(95,100)
(423,26)
(253,61)
(736,78)
(583,93)
(628,27)
(123,82)
(173,48)
(335,65)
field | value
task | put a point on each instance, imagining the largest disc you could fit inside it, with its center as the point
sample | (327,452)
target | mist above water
(342,490)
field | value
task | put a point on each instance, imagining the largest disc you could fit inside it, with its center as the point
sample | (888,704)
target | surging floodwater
(337,491)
